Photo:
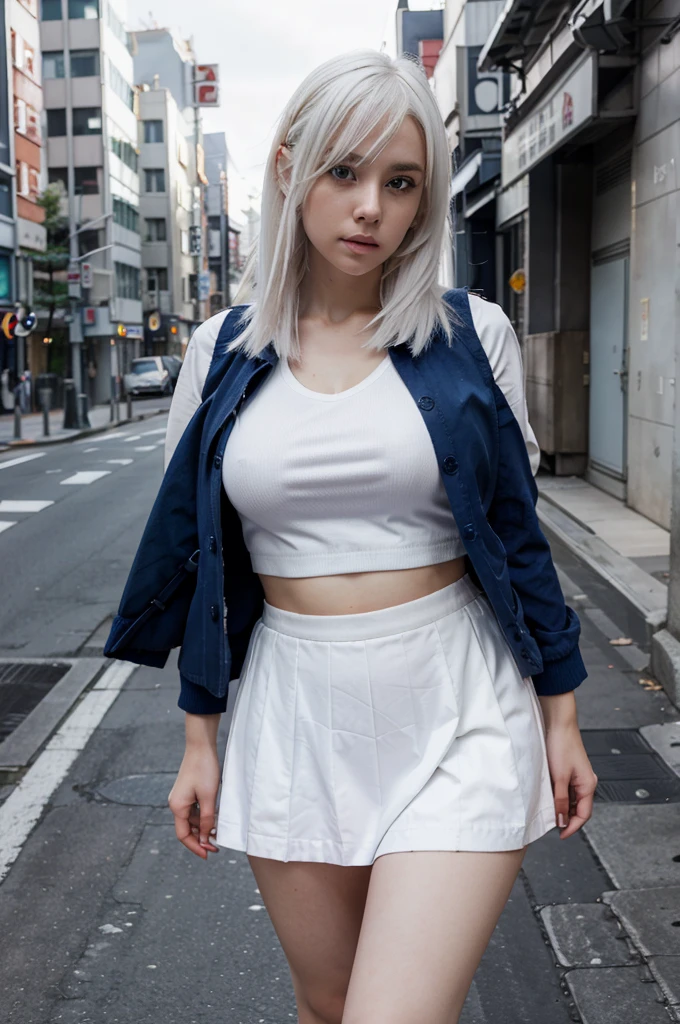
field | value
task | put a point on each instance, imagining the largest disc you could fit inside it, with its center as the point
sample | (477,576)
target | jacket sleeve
(512,515)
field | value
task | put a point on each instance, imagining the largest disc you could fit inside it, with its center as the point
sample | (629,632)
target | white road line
(22,458)
(85,477)
(54,470)
(24,506)
(133,437)
(144,447)
(119,462)
(5,525)
(86,450)
(105,437)
(23,807)
(161,430)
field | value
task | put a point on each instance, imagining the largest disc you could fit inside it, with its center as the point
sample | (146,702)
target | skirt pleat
(345,745)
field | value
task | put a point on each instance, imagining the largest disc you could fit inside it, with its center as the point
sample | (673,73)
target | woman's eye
(407,183)
(340,168)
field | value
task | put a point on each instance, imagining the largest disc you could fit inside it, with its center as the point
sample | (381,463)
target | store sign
(73,278)
(204,285)
(206,85)
(567,108)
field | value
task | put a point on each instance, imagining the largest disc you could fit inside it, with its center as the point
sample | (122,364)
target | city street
(105,917)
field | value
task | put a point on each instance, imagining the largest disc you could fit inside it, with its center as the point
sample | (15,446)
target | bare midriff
(347,593)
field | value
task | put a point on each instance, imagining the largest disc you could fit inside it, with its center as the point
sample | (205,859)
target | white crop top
(352,483)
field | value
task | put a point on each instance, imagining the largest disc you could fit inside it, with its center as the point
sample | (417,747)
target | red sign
(89,315)
(206,85)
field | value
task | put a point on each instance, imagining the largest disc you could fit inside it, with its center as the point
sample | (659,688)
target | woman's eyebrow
(357,158)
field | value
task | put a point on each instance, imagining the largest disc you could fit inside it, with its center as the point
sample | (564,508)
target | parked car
(148,376)
(173,364)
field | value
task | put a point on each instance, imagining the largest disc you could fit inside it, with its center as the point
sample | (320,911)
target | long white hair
(329,115)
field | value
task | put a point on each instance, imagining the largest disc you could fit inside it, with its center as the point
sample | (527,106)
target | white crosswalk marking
(22,458)
(24,506)
(87,450)
(5,525)
(133,437)
(144,447)
(85,477)
(120,462)
(161,430)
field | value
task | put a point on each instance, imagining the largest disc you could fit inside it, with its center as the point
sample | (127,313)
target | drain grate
(23,684)
(628,769)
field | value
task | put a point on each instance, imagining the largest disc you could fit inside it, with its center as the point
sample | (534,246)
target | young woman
(351,454)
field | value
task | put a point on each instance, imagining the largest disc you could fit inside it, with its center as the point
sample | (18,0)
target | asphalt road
(64,566)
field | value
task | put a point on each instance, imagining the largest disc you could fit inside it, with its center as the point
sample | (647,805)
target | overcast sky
(264,50)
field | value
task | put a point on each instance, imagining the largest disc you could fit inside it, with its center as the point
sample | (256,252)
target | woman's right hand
(197,783)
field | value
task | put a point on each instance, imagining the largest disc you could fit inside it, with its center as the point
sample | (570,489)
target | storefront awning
(466,172)
(520,29)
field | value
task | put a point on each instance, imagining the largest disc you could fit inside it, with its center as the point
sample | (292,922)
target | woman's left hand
(573,778)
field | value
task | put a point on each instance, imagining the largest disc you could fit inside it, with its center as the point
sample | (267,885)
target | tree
(51,293)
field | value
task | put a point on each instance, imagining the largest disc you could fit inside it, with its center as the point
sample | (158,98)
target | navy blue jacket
(192,585)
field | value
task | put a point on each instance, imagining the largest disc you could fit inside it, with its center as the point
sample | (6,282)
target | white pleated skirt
(405,728)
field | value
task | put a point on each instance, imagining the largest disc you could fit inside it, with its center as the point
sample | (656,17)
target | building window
(125,214)
(33,183)
(87,121)
(56,122)
(22,178)
(5,278)
(116,26)
(53,64)
(126,152)
(121,88)
(51,10)
(20,115)
(84,63)
(156,229)
(157,279)
(58,176)
(86,181)
(154,180)
(83,9)
(153,131)
(127,281)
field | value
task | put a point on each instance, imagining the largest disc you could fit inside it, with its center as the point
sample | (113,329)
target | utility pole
(75,324)
(197,204)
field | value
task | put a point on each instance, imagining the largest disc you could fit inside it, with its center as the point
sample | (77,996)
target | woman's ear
(284,163)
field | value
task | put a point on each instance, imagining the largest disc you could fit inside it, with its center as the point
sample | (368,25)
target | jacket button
(450,464)
(469,532)
(214,612)
(213,545)
(218,461)
(425,402)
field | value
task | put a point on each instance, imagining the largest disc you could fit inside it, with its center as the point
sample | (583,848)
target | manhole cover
(628,769)
(23,684)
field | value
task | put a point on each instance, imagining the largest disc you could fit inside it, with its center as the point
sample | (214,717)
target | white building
(165,141)
(91,128)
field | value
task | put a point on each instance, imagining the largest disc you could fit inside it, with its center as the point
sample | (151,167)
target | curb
(643,598)
(8,446)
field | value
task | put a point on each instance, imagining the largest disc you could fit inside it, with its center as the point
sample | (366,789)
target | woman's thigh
(427,921)
(316,910)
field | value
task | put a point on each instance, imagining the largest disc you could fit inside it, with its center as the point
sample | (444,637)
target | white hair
(329,115)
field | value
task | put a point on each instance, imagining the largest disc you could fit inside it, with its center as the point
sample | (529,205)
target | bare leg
(316,910)
(428,919)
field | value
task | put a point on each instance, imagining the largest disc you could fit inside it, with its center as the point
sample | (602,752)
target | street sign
(73,278)
(195,240)
(206,88)
(86,275)
(89,316)
(204,285)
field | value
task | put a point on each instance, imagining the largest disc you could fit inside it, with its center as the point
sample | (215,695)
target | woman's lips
(360,246)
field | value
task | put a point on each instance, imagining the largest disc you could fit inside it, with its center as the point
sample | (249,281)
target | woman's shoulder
(494,330)
(204,337)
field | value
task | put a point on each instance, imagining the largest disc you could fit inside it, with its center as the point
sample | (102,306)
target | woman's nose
(368,204)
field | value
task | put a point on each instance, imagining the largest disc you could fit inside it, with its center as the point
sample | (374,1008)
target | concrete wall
(655,276)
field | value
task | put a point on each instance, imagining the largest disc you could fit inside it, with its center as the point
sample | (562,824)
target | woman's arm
(189,387)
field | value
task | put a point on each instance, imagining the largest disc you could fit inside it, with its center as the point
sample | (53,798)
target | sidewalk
(99,416)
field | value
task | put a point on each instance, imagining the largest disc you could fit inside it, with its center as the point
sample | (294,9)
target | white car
(147,376)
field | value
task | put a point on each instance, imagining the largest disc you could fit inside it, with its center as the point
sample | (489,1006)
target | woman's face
(378,200)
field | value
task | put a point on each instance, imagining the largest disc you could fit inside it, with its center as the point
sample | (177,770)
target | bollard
(17,413)
(70,405)
(45,401)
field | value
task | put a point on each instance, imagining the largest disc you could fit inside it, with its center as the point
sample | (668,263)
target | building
(589,196)
(91,125)
(165,141)
(164,60)
(219,222)
(471,103)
